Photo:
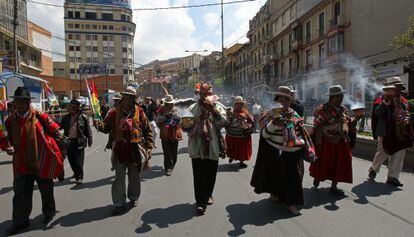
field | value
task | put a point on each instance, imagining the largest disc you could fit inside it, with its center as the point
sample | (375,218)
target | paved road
(166,205)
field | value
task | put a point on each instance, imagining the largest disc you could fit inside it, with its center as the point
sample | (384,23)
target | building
(210,67)
(60,69)
(100,33)
(29,56)
(42,39)
(313,44)
(230,65)
(191,62)
(242,80)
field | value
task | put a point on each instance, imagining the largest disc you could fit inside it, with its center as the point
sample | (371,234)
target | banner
(51,98)
(93,97)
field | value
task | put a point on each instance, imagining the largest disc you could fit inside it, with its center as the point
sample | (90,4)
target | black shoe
(243,165)
(118,210)
(168,172)
(316,183)
(79,181)
(15,229)
(48,218)
(337,191)
(201,210)
(372,174)
(394,182)
(133,204)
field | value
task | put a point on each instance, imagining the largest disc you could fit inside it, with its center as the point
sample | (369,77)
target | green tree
(405,41)
(219,82)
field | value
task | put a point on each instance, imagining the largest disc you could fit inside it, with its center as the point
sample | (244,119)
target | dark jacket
(297,107)
(149,110)
(84,129)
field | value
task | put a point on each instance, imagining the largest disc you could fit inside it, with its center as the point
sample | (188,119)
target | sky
(165,34)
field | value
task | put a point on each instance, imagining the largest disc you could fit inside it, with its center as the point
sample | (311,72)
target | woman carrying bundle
(239,127)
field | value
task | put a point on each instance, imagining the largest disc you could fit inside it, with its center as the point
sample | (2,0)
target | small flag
(93,97)
(51,98)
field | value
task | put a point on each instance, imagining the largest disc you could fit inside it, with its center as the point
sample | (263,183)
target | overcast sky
(166,33)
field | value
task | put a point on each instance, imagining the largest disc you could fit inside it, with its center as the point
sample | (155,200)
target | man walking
(150,108)
(390,126)
(170,132)
(76,126)
(132,137)
(36,158)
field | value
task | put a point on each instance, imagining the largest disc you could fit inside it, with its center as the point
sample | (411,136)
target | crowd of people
(39,144)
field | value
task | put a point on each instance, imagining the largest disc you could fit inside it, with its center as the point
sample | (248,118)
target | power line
(158,8)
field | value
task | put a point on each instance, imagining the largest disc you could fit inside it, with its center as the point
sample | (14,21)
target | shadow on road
(258,213)
(82,217)
(321,197)
(153,173)
(372,189)
(35,224)
(235,167)
(5,190)
(182,150)
(165,217)
(157,154)
(94,184)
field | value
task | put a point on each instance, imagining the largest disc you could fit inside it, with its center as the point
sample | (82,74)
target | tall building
(100,32)
(29,56)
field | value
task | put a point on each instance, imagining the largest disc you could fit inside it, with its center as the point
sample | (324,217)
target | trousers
(170,149)
(205,173)
(23,186)
(395,161)
(76,157)
(119,190)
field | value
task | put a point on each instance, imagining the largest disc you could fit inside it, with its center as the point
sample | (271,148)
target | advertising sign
(92,69)
(122,3)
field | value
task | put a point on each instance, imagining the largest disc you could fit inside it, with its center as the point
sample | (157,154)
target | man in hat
(150,108)
(333,130)
(76,127)
(168,122)
(296,104)
(206,145)
(132,145)
(36,158)
(390,127)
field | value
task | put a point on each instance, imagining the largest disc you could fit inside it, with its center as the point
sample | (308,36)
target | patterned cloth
(36,151)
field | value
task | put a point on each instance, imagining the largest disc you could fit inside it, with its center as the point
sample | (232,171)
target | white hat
(130,90)
(336,90)
(168,99)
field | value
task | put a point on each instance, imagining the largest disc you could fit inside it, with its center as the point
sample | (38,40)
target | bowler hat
(130,90)
(336,90)
(284,91)
(21,93)
(75,103)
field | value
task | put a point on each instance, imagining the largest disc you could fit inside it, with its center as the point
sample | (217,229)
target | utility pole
(15,24)
(222,42)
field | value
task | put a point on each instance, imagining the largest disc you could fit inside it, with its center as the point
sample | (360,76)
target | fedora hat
(395,81)
(284,91)
(239,99)
(21,93)
(168,99)
(117,96)
(293,89)
(388,87)
(74,103)
(130,90)
(336,90)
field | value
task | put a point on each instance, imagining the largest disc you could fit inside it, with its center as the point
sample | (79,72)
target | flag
(93,98)
(51,98)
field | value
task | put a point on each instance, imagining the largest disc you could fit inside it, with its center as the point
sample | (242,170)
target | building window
(71,48)
(123,17)
(292,12)
(96,60)
(107,16)
(290,66)
(104,27)
(7,46)
(90,15)
(94,27)
(95,49)
(88,49)
(70,14)
(105,38)
(110,27)
(94,37)
(321,54)
(125,50)
(77,48)
(112,71)
(105,49)
(336,43)
(87,26)
(79,59)
(77,15)
(125,71)
(321,24)
(77,26)
(281,47)
(72,71)
(308,32)
(70,36)
(112,49)
(111,38)
(70,26)
(337,12)
(89,60)
(290,42)
(88,37)
(78,37)
(282,69)
(124,28)
(308,58)
(284,18)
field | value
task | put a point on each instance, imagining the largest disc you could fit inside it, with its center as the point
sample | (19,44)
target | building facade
(42,39)
(100,33)
(30,57)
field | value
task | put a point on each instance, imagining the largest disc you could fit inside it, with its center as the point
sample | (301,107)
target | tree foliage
(405,41)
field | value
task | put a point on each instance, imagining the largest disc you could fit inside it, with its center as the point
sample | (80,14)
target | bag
(309,154)
(141,158)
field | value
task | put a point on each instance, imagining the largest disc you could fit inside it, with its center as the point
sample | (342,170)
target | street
(166,206)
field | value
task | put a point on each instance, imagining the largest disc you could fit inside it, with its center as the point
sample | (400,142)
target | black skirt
(279,174)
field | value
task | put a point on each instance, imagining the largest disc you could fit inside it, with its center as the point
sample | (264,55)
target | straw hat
(395,81)
(284,91)
(239,99)
(130,90)
(336,90)
(168,99)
